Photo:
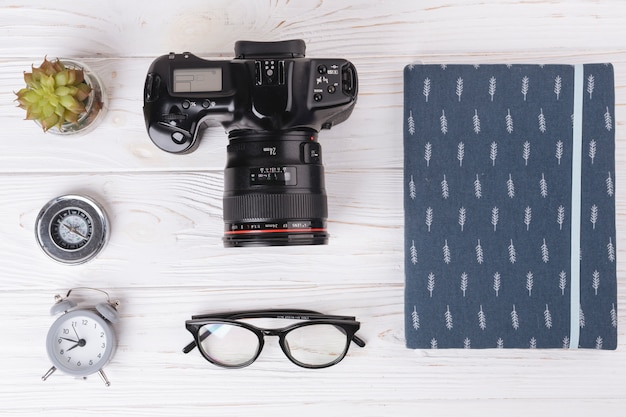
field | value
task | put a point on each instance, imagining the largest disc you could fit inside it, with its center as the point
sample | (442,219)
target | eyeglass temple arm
(191,346)
(252,314)
(241,314)
(268,314)
(358,341)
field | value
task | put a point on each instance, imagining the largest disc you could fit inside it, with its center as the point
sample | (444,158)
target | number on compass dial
(71,229)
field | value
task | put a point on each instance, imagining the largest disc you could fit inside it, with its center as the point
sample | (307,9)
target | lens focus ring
(275,206)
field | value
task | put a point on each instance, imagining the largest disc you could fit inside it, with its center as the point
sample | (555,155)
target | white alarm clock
(82,340)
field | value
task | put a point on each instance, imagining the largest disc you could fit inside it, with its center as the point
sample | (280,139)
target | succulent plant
(54,94)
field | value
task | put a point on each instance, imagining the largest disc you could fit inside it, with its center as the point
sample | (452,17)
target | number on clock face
(81,343)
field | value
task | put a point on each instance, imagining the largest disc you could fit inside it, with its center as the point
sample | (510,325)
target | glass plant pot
(95,105)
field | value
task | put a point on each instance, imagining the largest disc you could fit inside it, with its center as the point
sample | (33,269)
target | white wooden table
(165,260)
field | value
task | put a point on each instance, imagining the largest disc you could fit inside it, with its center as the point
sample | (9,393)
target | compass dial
(72,229)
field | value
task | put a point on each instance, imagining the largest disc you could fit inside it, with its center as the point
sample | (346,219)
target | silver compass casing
(86,243)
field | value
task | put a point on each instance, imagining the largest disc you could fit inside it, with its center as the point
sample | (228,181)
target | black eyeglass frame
(308,317)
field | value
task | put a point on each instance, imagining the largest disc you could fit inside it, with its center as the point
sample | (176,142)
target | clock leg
(104,377)
(47,374)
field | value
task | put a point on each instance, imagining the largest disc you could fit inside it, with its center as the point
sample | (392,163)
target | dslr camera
(272,102)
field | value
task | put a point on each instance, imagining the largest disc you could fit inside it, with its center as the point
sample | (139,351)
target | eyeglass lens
(311,345)
(227,344)
(317,344)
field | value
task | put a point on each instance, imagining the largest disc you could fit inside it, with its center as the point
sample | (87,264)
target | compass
(72,229)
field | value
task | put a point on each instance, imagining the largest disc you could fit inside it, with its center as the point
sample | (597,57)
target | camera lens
(274,190)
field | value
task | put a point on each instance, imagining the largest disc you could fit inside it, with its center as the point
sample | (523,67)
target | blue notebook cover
(509,174)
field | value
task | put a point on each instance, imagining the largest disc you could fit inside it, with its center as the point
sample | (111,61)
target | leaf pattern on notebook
(488,206)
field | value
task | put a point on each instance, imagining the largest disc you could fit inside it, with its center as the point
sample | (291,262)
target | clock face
(80,342)
(72,229)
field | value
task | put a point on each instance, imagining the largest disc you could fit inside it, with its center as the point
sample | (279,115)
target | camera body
(272,102)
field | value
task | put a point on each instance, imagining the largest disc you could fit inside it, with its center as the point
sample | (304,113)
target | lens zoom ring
(275,206)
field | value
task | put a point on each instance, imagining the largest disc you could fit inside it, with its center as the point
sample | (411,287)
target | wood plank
(169,226)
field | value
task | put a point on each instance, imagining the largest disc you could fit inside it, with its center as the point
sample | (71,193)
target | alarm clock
(72,229)
(82,341)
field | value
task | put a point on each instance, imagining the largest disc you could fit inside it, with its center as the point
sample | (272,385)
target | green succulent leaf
(54,94)
(62,78)
(62,91)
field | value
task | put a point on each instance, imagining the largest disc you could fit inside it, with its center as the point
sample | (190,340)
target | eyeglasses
(315,341)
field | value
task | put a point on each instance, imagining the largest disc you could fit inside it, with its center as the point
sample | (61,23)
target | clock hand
(75,332)
(80,343)
(71,340)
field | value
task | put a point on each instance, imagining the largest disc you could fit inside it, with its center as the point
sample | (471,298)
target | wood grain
(165,260)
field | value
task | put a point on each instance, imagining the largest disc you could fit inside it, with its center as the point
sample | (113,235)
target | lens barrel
(274,190)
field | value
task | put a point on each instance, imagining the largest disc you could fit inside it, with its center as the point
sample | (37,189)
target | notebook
(509,178)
